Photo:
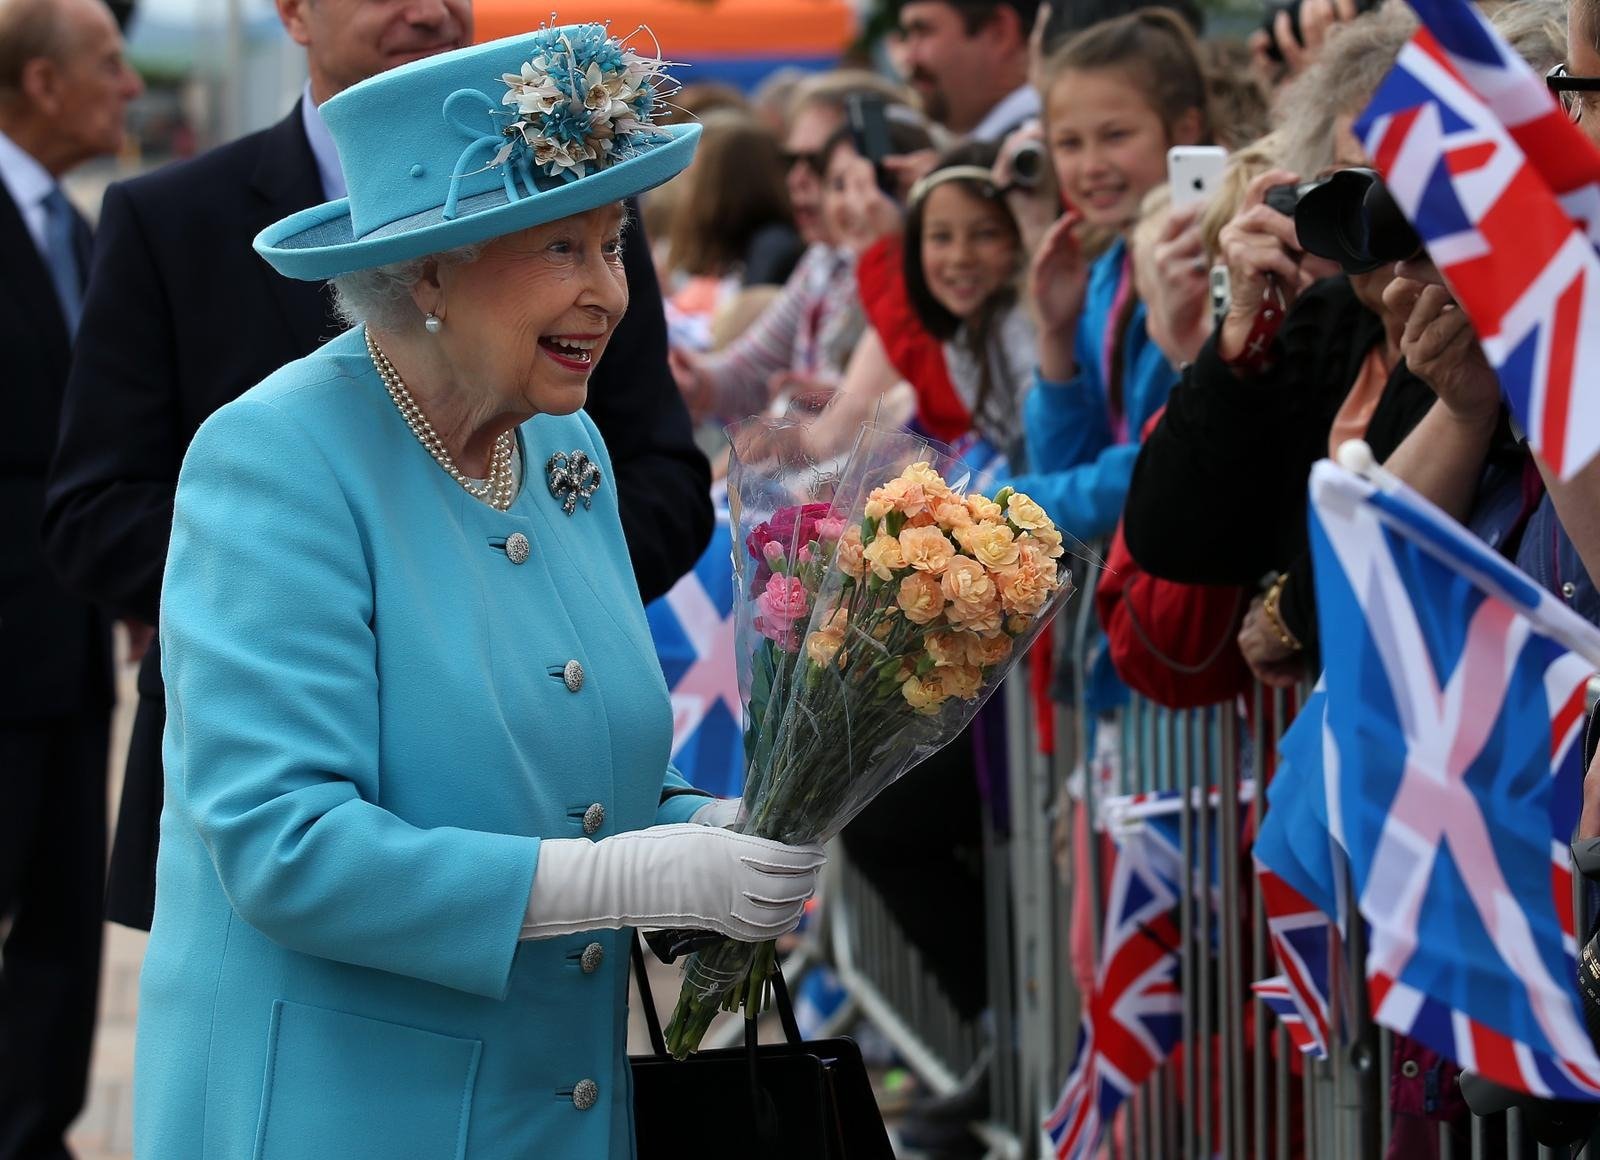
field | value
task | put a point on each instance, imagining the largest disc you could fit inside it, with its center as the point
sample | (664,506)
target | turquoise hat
(481,142)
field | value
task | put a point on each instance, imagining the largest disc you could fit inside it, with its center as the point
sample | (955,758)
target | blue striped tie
(61,255)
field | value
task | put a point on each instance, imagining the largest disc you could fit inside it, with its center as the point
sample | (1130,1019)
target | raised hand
(1058,281)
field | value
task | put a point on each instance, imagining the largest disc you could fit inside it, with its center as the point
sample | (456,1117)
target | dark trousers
(52,870)
(920,844)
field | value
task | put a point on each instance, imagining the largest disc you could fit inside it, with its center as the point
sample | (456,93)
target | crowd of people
(982,242)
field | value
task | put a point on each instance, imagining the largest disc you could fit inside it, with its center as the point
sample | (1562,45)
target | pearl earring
(433,324)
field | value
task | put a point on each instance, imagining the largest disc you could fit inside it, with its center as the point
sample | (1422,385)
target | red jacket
(916,354)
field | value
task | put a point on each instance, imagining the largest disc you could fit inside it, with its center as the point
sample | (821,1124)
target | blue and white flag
(693,629)
(1455,690)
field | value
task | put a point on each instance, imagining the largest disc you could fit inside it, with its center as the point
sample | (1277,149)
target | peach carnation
(884,556)
(849,553)
(992,545)
(1025,513)
(920,598)
(926,549)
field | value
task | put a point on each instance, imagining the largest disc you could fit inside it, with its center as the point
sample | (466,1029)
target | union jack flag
(1300,868)
(1505,191)
(1135,1015)
(1455,697)
(1275,995)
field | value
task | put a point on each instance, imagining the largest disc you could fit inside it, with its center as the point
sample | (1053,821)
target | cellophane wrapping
(877,608)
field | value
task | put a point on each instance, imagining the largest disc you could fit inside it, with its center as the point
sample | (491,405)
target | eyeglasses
(1568,89)
(811,161)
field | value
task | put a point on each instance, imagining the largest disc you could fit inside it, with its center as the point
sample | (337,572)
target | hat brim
(319,243)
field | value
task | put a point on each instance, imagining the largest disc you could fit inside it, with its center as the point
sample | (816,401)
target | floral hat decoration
(433,162)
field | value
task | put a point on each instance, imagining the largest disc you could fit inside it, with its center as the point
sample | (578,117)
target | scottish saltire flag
(1135,1014)
(1455,697)
(1300,871)
(1276,997)
(693,629)
(1505,191)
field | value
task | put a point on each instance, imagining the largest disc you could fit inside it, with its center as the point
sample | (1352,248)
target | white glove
(744,887)
(719,812)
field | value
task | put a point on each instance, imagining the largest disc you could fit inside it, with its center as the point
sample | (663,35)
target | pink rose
(830,528)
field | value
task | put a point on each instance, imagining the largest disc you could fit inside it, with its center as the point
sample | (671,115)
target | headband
(938,177)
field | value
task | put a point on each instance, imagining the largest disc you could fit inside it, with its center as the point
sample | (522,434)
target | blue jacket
(1080,475)
(368,735)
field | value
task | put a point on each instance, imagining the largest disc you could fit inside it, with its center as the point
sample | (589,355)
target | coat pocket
(362,1089)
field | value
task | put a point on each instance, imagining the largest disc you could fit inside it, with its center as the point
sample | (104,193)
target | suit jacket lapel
(286,181)
(28,278)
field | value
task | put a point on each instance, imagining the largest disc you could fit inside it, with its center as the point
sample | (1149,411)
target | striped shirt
(810,329)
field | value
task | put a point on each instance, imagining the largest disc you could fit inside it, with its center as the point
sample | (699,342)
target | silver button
(584,1094)
(1569,590)
(1409,1069)
(593,818)
(517,548)
(593,955)
(573,676)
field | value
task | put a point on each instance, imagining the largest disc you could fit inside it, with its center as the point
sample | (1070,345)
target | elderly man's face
(350,40)
(91,84)
(531,317)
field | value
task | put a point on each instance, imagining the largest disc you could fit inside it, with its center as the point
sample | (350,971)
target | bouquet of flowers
(875,612)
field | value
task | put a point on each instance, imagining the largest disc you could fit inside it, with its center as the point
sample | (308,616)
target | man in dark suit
(63,89)
(182,317)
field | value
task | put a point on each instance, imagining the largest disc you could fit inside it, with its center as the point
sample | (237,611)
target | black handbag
(795,1100)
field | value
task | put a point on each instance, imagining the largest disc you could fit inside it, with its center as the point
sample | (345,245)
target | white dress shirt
(28,183)
(322,148)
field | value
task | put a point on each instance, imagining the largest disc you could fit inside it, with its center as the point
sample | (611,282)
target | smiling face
(350,40)
(834,205)
(1107,142)
(969,248)
(530,318)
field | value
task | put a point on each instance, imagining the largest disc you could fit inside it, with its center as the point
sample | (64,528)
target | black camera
(1027,165)
(1349,217)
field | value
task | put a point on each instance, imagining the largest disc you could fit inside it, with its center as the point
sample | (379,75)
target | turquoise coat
(369,732)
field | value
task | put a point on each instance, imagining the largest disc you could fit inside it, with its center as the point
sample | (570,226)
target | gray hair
(381,295)
(1535,29)
(1353,63)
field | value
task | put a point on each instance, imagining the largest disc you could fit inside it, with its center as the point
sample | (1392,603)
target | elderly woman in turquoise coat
(417,782)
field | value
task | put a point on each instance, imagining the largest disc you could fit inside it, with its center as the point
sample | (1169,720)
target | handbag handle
(652,1019)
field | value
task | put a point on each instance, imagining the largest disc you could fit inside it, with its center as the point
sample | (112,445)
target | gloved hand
(746,888)
(719,812)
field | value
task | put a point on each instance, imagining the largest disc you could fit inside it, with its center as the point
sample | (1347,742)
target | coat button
(573,676)
(584,1094)
(1409,1069)
(517,548)
(593,955)
(593,818)
(1569,590)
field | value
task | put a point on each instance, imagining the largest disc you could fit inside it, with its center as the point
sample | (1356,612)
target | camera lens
(1027,164)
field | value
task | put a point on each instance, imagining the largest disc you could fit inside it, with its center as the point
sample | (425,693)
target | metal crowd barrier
(1236,1088)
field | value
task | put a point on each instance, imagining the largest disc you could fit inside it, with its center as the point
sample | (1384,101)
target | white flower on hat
(583,99)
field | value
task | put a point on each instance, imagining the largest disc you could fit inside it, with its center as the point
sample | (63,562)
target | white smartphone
(1194,171)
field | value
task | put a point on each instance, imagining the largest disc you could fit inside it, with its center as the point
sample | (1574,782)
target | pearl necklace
(498,489)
